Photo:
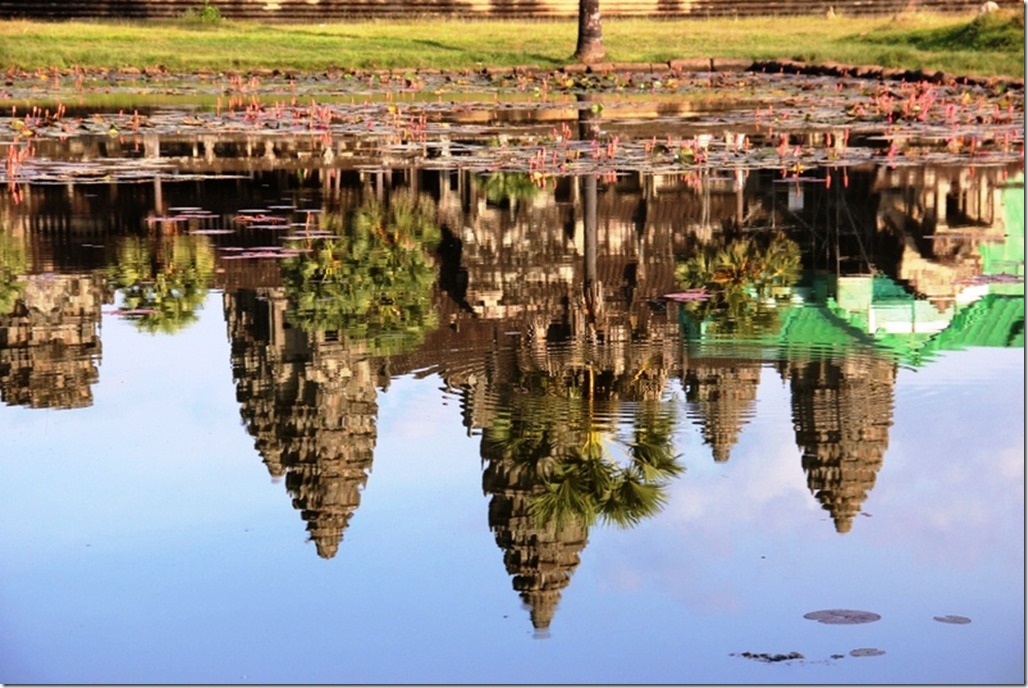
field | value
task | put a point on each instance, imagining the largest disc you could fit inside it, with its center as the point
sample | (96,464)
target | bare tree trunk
(590,33)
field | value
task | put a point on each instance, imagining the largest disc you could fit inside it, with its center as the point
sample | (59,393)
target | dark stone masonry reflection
(311,406)
(547,318)
(50,346)
(842,412)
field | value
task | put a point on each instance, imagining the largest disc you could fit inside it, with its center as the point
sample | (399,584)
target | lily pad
(688,295)
(842,616)
(866,652)
(952,619)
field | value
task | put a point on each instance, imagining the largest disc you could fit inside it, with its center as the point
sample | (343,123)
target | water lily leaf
(952,619)
(842,616)
(866,652)
(688,295)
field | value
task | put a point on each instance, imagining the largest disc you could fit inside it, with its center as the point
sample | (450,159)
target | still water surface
(273,417)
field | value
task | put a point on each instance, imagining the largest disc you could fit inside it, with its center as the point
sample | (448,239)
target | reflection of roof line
(796,328)
(995,320)
(821,325)
(812,326)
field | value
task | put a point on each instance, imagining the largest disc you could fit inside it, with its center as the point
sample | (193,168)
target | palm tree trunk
(590,33)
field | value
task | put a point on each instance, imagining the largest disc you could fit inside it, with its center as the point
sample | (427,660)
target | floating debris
(842,616)
(769,658)
(866,652)
(952,619)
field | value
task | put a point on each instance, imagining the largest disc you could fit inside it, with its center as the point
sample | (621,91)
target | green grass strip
(962,45)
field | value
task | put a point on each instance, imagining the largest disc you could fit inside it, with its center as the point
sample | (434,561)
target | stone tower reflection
(311,405)
(545,412)
(541,557)
(842,411)
(50,341)
(721,397)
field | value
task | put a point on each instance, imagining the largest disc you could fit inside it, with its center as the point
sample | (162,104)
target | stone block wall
(315,11)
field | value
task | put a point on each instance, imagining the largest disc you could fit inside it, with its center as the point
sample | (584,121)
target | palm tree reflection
(558,458)
(586,482)
(740,276)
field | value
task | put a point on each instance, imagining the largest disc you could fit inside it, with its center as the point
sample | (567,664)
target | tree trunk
(589,118)
(592,286)
(590,33)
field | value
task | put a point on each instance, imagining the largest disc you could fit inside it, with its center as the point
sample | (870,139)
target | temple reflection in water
(547,317)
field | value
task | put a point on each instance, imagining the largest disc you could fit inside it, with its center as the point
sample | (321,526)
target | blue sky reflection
(144,541)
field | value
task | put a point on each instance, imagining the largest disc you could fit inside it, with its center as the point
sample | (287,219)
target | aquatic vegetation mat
(543,124)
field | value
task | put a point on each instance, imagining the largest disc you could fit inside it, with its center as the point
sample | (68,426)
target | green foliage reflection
(13,266)
(564,453)
(740,277)
(163,280)
(511,187)
(373,280)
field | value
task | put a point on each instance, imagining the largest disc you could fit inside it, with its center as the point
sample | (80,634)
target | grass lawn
(990,46)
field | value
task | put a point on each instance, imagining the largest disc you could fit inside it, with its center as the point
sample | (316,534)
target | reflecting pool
(514,390)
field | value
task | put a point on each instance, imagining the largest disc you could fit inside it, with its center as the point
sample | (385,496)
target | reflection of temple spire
(541,558)
(721,396)
(842,411)
(539,407)
(310,404)
(50,343)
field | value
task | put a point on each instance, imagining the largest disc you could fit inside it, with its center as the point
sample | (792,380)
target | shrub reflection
(163,280)
(372,280)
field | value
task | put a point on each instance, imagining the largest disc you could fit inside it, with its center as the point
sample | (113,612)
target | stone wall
(314,11)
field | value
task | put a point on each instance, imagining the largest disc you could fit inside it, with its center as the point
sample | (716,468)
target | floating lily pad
(132,312)
(866,652)
(688,295)
(165,218)
(842,616)
(952,619)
